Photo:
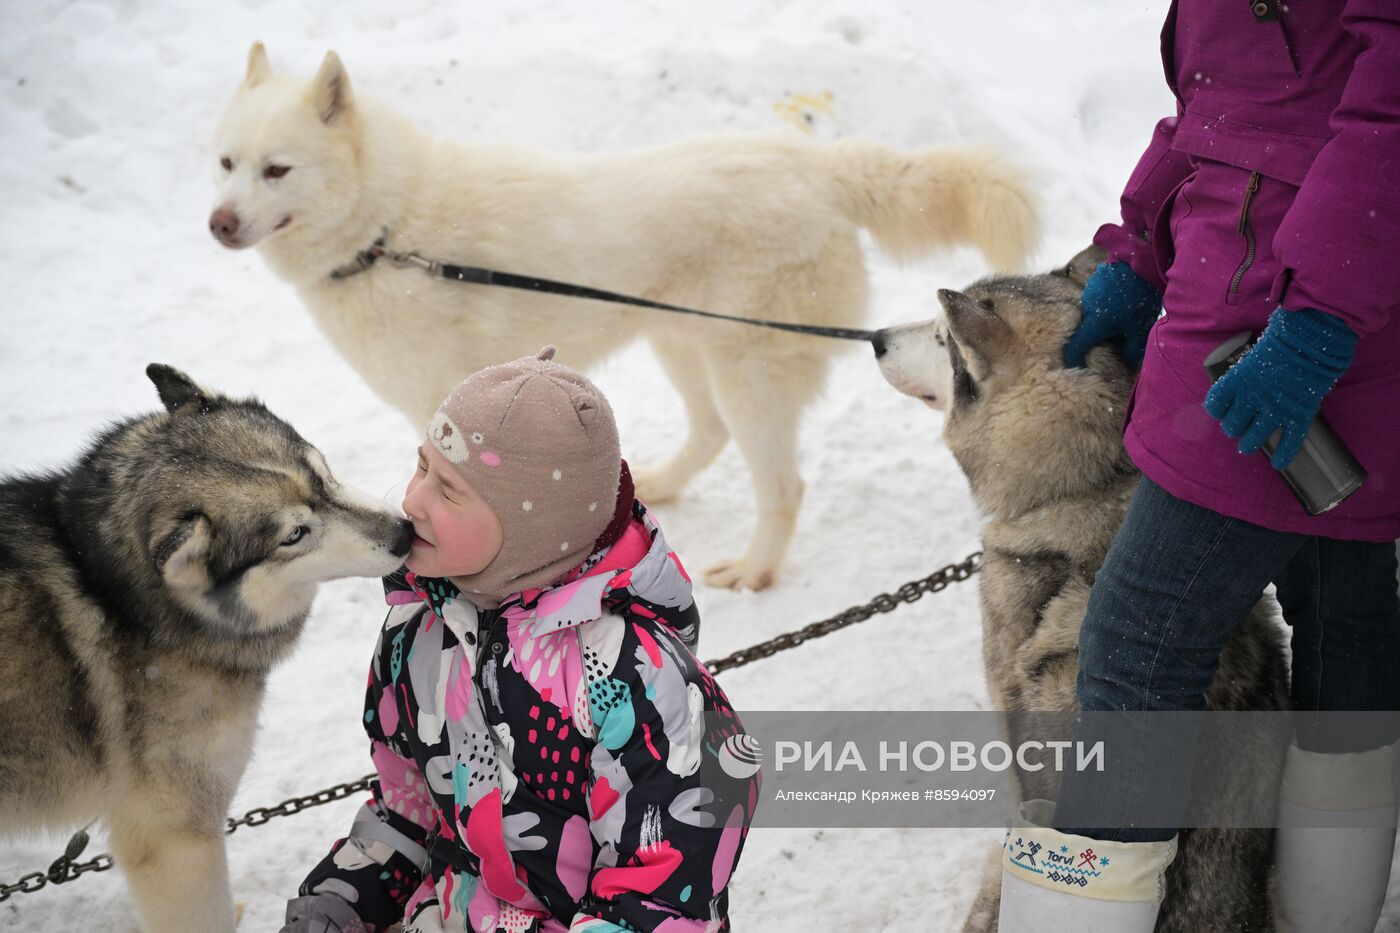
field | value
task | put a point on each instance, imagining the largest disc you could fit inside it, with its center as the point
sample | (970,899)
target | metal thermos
(1324,472)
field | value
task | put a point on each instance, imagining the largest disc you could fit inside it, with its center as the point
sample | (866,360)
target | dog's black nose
(880,344)
(404,540)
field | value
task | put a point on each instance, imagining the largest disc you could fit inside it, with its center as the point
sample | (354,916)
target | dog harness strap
(363,259)
(369,827)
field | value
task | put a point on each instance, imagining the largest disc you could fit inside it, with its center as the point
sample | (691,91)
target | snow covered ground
(106,264)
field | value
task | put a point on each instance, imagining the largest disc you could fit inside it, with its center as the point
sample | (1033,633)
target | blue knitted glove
(1279,384)
(1117,302)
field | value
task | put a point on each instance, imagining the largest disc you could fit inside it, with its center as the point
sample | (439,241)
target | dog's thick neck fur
(1021,464)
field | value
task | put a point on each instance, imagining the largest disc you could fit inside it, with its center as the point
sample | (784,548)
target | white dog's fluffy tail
(916,202)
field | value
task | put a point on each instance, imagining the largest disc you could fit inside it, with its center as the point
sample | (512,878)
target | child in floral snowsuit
(550,755)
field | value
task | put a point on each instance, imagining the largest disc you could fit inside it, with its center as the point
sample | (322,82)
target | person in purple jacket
(1270,202)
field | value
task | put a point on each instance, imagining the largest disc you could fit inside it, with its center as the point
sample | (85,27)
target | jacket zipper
(485,624)
(1247,231)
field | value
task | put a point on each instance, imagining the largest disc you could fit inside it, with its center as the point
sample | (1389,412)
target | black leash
(475,275)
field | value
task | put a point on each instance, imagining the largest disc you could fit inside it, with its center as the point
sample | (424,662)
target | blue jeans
(1176,581)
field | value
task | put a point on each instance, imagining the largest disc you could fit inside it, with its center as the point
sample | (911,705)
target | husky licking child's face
(455,533)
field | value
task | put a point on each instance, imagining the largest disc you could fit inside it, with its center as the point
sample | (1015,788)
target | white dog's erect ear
(980,333)
(259,68)
(180,552)
(176,389)
(330,89)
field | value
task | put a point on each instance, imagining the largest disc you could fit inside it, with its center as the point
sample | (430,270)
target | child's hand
(1279,384)
(321,913)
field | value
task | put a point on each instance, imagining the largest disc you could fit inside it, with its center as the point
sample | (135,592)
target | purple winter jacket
(1277,183)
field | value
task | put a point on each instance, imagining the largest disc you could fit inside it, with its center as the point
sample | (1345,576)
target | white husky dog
(755,225)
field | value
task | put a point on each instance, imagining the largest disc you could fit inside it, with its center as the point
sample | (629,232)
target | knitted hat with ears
(537,441)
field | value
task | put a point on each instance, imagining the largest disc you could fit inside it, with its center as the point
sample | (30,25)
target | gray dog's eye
(297,534)
(986,304)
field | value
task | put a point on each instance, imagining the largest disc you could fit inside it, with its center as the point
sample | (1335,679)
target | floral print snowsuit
(540,765)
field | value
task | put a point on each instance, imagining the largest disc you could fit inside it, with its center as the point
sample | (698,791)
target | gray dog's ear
(180,551)
(981,334)
(1083,265)
(259,68)
(176,389)
(330,89)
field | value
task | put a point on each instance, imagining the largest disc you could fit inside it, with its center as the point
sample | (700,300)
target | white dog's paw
(741,575)
(656,486)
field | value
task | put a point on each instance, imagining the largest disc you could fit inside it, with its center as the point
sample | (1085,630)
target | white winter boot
(1055,881)
(1336,836)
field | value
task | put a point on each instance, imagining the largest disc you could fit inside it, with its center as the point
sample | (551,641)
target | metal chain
(885,602)
(65,868)
(260,815)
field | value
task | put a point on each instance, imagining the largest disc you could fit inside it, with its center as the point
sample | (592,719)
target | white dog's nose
(223,223)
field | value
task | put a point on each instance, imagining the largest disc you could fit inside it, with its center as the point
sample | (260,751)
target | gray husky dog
(145,593)
(1042,450)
